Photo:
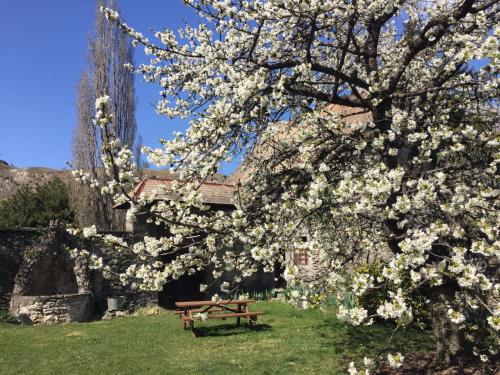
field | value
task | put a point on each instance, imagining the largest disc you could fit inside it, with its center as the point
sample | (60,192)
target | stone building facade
(218,195)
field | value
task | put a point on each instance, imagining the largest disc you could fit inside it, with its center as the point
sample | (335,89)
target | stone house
(41,283)
(218,195)
(218,192)
(215,193)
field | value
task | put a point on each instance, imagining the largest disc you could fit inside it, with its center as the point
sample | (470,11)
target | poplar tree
(110,56)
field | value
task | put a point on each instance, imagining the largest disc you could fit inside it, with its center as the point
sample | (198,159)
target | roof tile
(211,192)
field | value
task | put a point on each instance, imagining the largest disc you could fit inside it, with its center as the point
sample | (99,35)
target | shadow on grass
(230,330)
(373,338)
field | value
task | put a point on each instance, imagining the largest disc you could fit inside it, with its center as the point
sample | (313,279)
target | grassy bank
(286,341)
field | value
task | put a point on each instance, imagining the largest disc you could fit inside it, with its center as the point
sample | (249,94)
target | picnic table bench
(216,310)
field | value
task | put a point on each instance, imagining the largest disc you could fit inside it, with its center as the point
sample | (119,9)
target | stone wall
(13,242)
(57,308)
(103,288)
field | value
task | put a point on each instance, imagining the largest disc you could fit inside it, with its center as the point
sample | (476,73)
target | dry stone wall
(13,246)
(63,308)
(13,243)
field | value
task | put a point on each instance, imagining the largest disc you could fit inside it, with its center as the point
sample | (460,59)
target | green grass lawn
(286,341)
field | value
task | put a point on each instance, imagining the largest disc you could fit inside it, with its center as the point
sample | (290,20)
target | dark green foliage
(6,317)
(262,295)
(372,299)
(35,206)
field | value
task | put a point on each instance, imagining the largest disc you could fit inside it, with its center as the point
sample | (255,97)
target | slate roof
(211,192)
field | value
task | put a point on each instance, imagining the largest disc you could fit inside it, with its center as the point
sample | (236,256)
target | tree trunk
(451,345)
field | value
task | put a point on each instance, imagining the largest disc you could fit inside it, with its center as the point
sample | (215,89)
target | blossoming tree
(416,179)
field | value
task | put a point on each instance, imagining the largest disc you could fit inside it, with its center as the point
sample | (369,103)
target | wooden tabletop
(212,303)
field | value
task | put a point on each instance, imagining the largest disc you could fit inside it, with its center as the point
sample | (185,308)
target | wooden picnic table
(223,309)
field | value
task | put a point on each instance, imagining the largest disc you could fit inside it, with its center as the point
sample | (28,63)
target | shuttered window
(301,257)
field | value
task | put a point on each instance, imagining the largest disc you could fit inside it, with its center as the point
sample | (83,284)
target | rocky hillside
(12,178)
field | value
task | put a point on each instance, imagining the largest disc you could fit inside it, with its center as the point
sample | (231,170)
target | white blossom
(395,360)
(456,316)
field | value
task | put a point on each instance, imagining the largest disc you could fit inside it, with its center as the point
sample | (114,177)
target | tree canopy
(369,126)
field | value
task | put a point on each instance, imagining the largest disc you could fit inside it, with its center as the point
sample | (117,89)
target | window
(301,257)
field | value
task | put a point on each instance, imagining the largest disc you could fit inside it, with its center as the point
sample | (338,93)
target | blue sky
(44,45)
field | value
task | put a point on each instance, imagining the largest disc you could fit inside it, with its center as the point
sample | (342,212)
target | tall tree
(109,60)
(416,177)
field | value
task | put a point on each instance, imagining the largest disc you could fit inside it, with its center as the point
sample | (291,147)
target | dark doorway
(186,288)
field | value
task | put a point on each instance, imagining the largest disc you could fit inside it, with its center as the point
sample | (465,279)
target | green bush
(35,206)
(7,317)
(373,298)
